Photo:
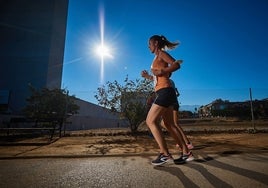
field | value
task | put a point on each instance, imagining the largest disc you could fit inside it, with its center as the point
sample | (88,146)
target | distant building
(32,35)
(207,110)
(225,108)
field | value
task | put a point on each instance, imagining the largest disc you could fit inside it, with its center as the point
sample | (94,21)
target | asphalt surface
(227,160)
(234,170)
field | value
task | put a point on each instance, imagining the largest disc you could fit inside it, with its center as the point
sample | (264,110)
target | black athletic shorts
(166,97)
(176,106)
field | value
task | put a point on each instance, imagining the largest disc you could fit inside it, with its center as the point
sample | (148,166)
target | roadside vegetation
(50,104)
(127,99)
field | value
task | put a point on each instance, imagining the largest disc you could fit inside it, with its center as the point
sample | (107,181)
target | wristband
(178,61)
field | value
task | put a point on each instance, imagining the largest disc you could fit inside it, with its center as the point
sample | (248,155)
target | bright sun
(103,51)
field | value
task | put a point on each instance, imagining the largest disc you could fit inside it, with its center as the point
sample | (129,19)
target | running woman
(163,65)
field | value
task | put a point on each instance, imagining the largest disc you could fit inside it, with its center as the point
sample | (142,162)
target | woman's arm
(173,64)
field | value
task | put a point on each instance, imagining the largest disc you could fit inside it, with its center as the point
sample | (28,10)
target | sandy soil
(116,143)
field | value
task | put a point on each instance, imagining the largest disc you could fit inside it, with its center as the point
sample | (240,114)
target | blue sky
(224,45)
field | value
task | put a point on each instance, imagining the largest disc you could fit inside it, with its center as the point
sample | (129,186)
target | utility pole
(251,106)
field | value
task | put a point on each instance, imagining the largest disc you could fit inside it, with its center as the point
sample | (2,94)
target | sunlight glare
(103,51)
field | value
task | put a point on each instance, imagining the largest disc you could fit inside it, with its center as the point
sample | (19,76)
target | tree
(128,100)
(50,104)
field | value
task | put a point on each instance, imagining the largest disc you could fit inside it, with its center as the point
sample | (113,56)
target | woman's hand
(144,74)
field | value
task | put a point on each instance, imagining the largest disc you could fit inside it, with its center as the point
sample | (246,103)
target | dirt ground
(211,143)
(118,143)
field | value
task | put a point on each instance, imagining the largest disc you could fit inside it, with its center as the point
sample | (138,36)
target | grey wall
(92,116)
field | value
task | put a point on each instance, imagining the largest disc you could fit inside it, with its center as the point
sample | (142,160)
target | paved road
(236,170)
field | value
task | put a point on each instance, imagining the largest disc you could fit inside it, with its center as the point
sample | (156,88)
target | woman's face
(152,46)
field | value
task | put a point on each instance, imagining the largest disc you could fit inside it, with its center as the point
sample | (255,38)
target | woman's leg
(153,116)
(173,130)
(176,121)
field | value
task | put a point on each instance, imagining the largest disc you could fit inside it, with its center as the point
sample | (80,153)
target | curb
(77,156)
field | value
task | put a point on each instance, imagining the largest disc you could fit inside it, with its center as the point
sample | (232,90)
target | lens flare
(102,50)
(102,41)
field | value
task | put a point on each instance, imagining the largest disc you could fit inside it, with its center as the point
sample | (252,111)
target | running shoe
(184,158)
(189,157)
(162,159)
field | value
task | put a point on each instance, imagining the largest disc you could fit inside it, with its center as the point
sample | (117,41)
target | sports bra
(160,81)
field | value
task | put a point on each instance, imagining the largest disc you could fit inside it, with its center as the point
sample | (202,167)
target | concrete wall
(92,116)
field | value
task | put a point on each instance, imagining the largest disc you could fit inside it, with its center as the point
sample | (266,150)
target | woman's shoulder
(163,54)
